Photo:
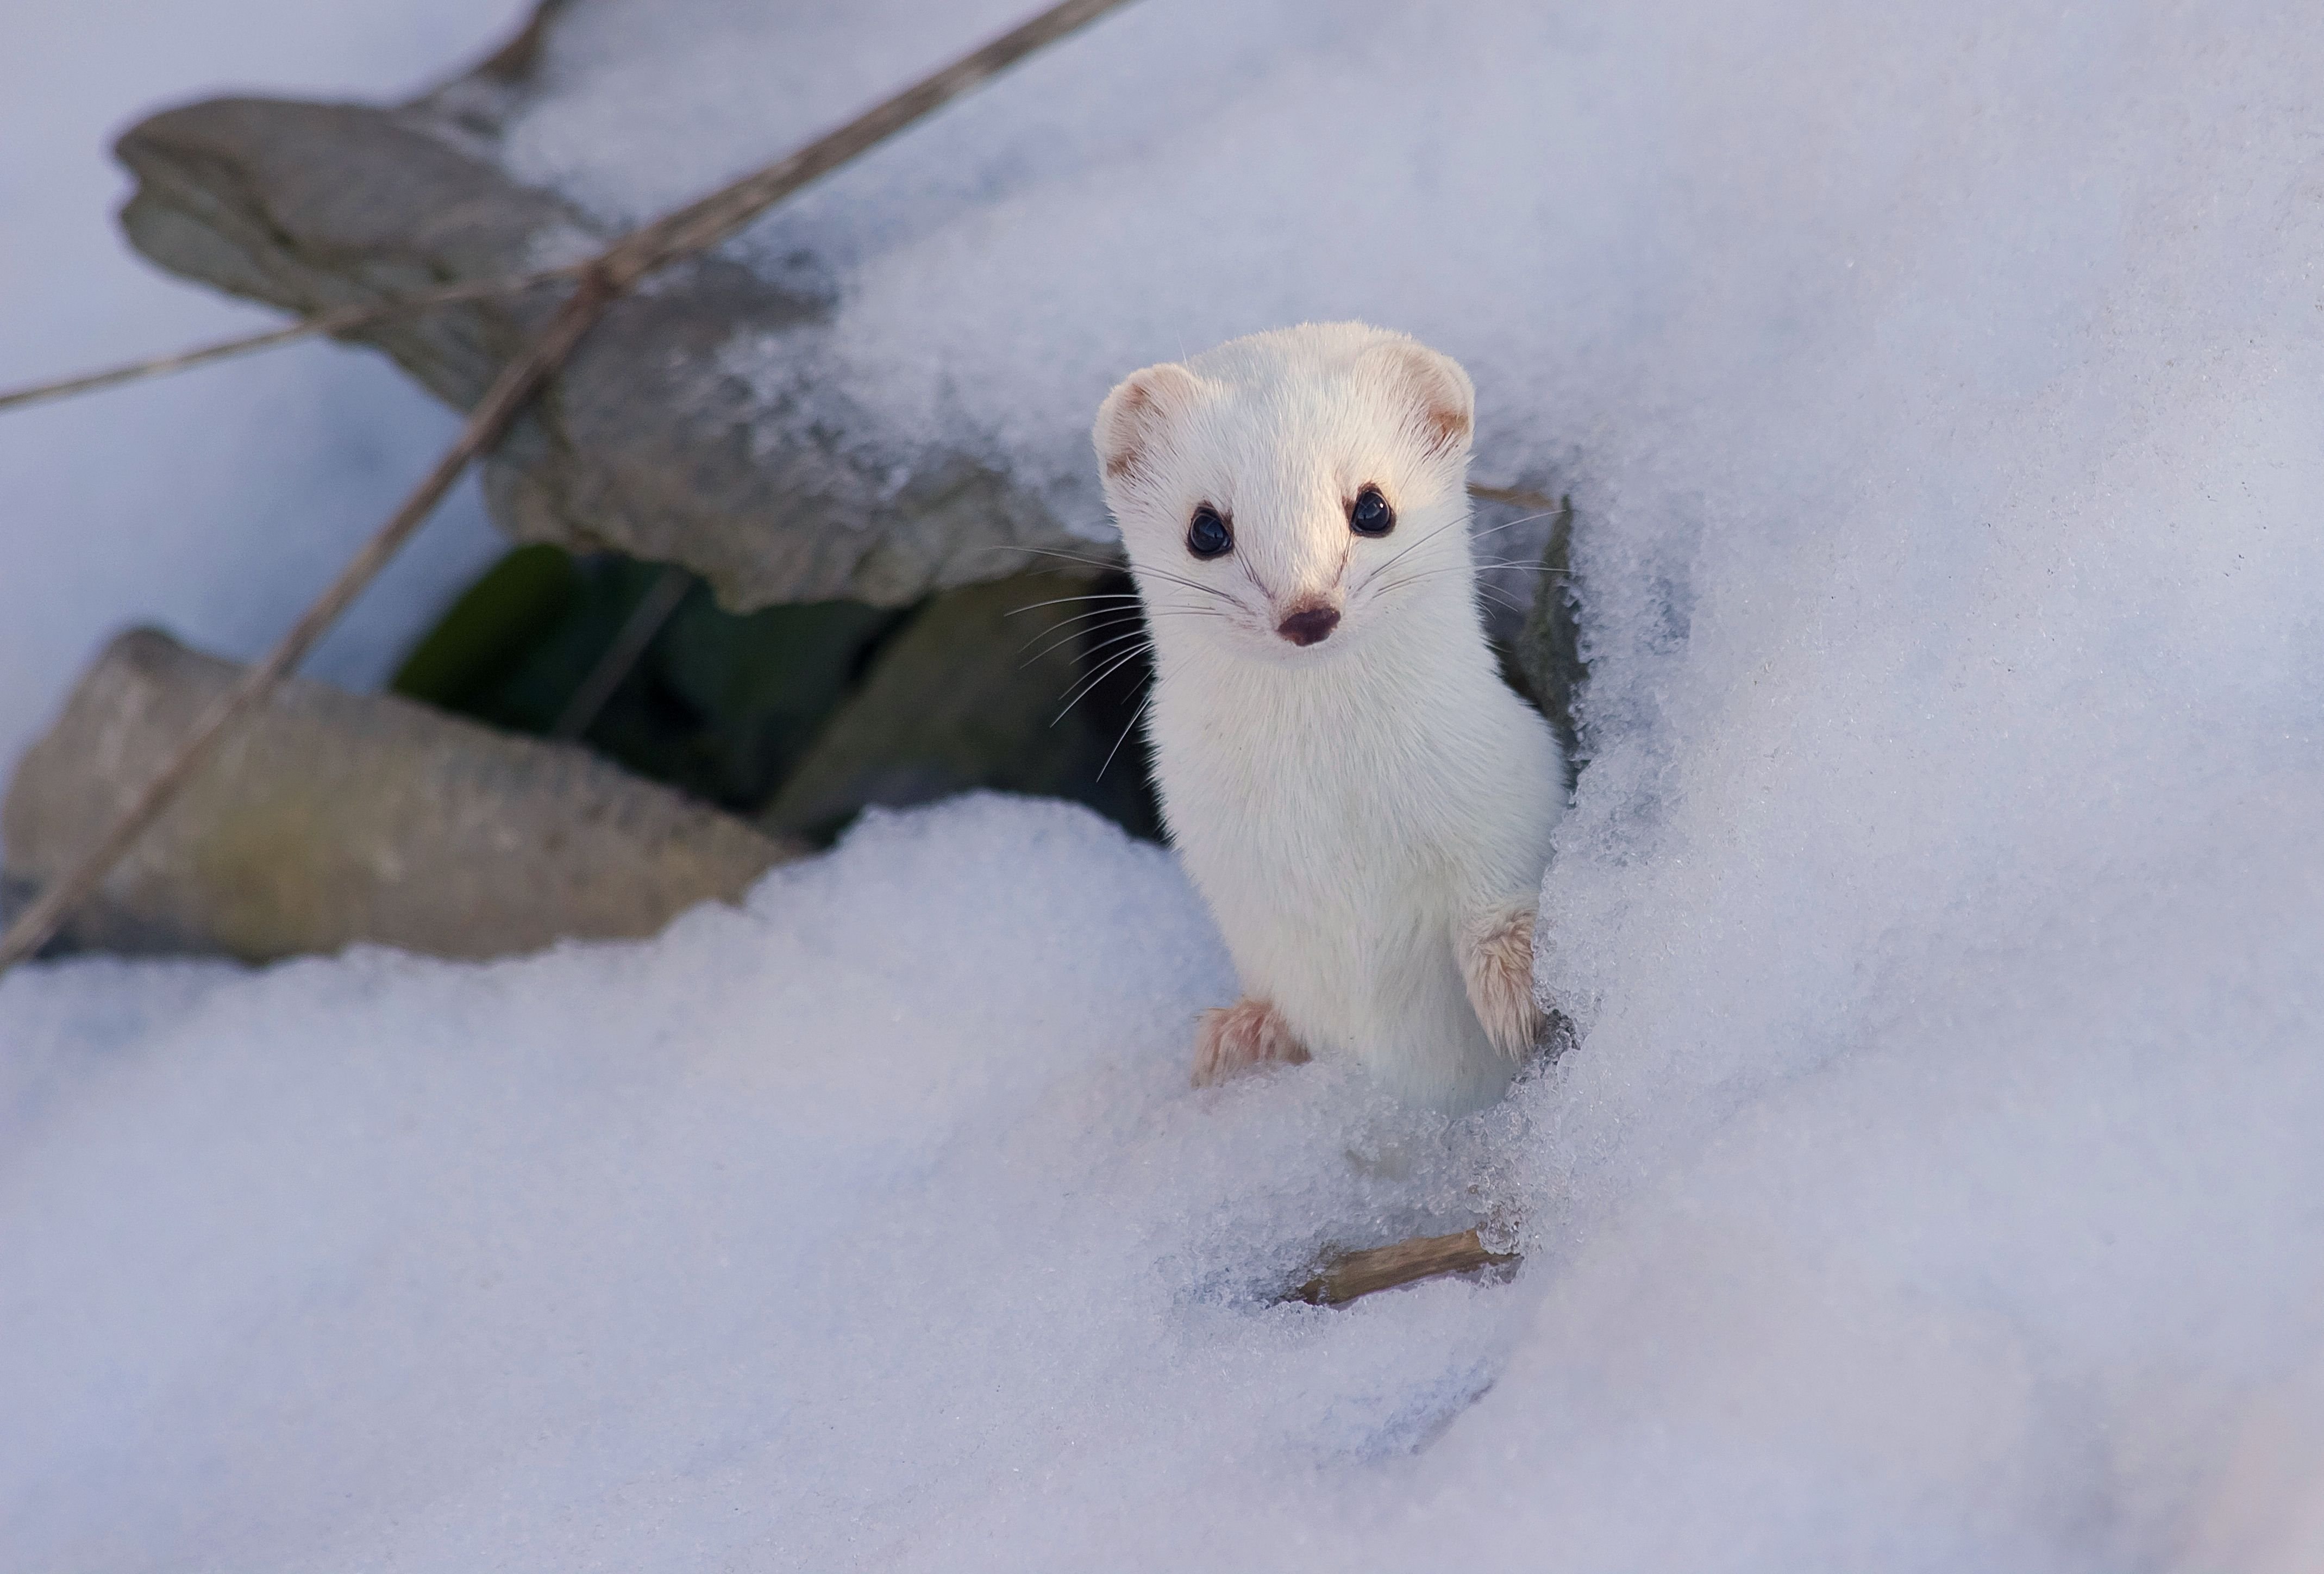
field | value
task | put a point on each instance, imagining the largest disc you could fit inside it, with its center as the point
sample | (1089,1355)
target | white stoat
(1362,801)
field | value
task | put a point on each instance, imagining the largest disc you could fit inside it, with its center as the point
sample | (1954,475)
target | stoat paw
(1497,964)
(1233,1038)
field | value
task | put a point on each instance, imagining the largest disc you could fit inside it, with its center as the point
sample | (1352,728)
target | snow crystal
(1933,1185)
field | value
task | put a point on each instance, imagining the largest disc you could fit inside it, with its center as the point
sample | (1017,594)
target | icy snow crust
(1934,1186)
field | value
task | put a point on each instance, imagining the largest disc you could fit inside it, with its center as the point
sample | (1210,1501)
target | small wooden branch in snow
(1351,1274)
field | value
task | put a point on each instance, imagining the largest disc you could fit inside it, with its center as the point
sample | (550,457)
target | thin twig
(508,395)
(689,231)
(1348,1276)
(345,319)
(702,224)
(1136,716)
(630,642)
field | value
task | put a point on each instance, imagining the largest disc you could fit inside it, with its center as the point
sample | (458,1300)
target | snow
(216,503)
(1934,1184)
(745,1238)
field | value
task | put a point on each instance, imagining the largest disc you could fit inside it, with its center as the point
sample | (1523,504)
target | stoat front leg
(1496,954)
(1238,1037)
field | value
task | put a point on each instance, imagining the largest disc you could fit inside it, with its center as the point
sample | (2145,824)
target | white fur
(1359,812)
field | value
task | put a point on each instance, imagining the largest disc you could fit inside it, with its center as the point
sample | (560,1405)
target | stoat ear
(1136,414)
(1441,399)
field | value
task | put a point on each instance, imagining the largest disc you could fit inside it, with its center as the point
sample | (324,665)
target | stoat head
(1288,494)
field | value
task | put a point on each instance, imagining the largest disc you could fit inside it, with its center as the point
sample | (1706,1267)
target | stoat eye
(1208,536)
(1372,516)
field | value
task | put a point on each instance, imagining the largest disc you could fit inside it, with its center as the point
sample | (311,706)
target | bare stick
(630,642)
(502,402)
(689,231)
(1351,1274)
(704,224)
(345,319)
(1515,497)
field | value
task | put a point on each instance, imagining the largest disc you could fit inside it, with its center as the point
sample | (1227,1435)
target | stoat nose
(1307,627)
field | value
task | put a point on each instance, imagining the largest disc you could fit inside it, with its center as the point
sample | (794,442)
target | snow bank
(218,503)
(1934,1185)
(820,1230)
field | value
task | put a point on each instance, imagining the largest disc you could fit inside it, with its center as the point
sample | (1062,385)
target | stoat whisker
(1136,716)
(1513,523)
(1051,552)
(1068,637)
(1152,613)
(1091,654)
(1439,529)
(1089,684)
(1422,575)
(1156,573)
(1528,563)
(1500,597)
(1113,616)
(1409,547)
(1458,521)
(1439,571)
(1158,610)
(1097,619)
(1065,557)
(1481,587)
(1069,600)
(1211,591)
(1100,616)
(1449,526)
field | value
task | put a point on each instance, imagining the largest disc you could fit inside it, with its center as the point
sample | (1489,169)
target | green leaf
(489,629)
